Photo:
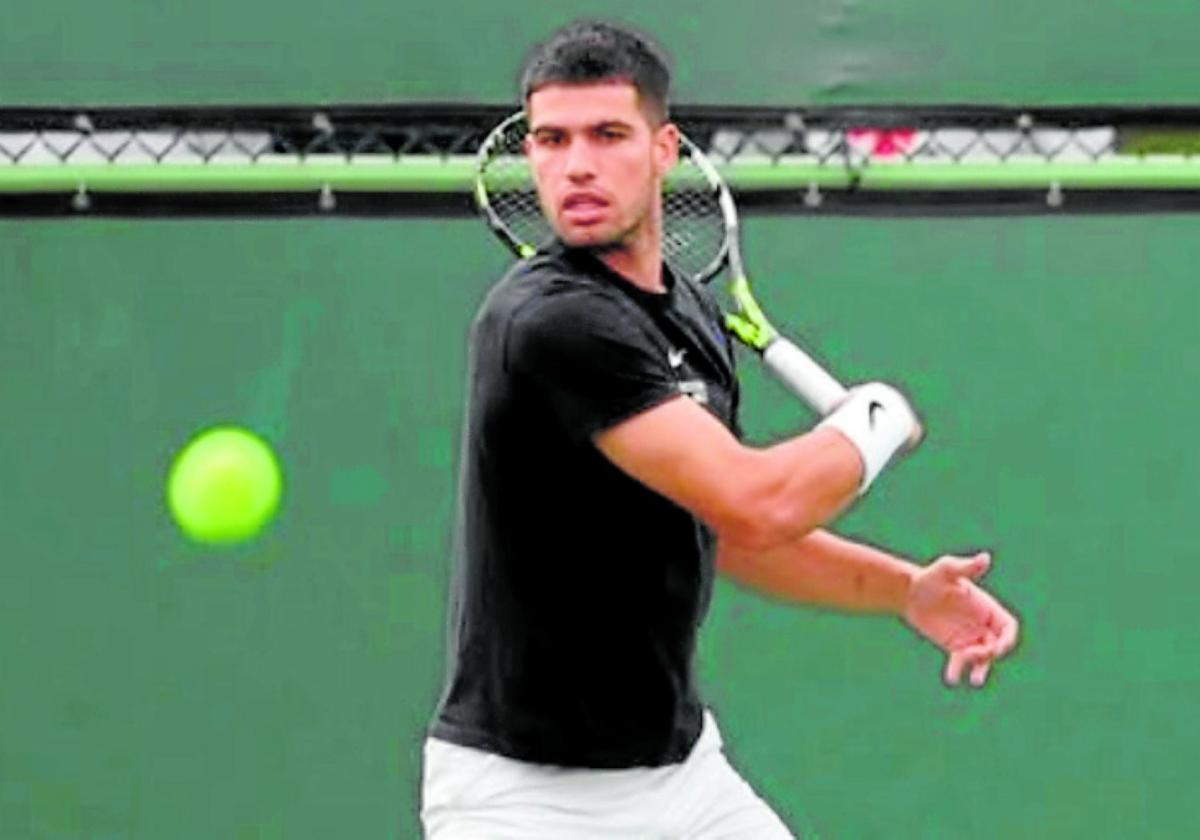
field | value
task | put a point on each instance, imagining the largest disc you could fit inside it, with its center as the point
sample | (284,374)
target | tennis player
(604,483)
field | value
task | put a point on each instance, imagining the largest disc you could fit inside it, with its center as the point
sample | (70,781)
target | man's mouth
(584,208)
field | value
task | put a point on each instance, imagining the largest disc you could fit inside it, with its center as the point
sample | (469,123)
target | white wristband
(878,420)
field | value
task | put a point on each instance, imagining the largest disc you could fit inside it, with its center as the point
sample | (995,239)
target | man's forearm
(824,569)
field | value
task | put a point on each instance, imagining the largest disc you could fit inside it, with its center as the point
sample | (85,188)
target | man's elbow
(753,527)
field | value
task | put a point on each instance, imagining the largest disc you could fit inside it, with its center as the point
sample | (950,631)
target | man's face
(598,162)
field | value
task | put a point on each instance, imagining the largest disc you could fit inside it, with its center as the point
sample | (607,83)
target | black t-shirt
(578,591)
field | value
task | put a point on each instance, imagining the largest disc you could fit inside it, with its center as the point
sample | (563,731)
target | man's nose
(580,164)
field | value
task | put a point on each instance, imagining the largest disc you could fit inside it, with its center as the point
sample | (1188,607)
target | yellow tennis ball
(224,486)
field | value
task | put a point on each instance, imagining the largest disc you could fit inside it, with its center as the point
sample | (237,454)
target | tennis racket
(700,239)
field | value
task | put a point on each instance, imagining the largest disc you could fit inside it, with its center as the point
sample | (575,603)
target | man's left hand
(946,606)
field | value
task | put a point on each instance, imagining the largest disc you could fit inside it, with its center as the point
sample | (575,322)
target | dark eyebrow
(599,126)
(612,124)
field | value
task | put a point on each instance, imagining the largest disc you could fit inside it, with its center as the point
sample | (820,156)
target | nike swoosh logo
(675,357)
(871,409)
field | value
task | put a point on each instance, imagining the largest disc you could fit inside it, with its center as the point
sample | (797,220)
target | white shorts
(471,794)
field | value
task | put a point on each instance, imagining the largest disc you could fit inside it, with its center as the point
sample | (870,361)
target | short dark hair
(596,51)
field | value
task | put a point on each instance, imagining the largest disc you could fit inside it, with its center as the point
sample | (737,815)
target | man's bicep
(681,451)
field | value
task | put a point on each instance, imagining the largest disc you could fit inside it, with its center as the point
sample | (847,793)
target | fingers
(978,655)
(1003,627)
(979,672)
(997,627)
(1006,639)
(954,668)
(973,567)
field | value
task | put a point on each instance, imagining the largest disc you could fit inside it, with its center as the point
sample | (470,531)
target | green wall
(152,689)
(771,51)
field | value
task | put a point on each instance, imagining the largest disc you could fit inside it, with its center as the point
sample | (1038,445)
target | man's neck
(639,262)
(642,270)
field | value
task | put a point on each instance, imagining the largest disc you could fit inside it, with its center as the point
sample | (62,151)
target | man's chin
(592,238)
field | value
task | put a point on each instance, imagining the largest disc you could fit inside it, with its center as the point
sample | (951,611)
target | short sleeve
(711,309)
(595,361)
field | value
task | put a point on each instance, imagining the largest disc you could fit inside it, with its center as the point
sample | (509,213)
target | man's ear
(666,147)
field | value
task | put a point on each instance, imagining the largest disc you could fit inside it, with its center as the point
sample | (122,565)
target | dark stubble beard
(621,239)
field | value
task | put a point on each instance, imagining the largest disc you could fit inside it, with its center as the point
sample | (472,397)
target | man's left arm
(940,601)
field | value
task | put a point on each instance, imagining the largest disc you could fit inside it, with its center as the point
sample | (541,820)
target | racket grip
(803,376)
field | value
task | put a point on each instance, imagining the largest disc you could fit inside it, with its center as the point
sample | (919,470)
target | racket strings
(694,229)
(511,195)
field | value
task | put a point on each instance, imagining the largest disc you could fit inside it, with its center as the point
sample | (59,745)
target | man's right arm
(597,373)
(755,499)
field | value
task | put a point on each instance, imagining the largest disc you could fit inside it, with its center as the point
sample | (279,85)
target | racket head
(505,194)
(700,225)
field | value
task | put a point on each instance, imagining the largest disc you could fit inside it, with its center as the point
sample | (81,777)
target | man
(603,482)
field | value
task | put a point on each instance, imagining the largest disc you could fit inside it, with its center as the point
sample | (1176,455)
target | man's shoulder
(547,286)
(702,293)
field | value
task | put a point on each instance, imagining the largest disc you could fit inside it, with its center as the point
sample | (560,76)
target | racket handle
(803,376)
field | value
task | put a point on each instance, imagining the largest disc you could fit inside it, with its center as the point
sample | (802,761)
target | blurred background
(152,688)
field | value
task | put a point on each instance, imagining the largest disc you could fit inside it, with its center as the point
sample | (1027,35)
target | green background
(153,689)
(1026,52)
